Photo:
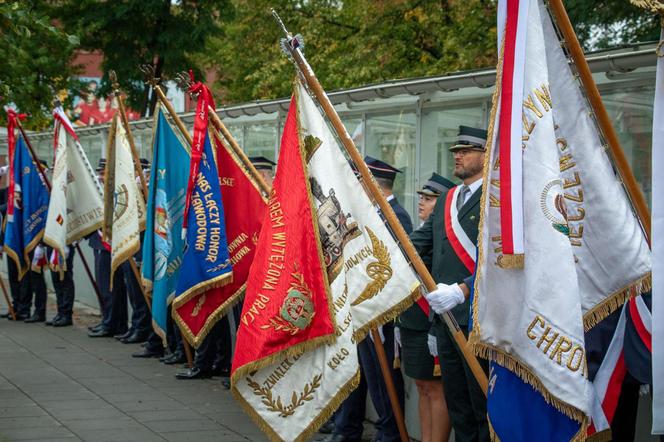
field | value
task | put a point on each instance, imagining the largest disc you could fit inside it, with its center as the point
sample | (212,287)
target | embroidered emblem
(380,272)
(553,206)
(297,398)
(297,310)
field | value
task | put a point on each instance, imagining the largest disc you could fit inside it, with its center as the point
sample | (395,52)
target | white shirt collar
(390,198)
(475,185)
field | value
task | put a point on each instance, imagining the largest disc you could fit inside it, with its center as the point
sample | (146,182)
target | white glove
(445,297)
(432,342)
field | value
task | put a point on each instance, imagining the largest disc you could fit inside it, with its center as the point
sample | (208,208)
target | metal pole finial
(114,81)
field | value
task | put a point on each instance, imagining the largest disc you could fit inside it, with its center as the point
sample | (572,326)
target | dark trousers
(64,288)
(173,335)
(466,402)
(19,302)
(141,321)
(386,426)
(216,347)
(349,418)
(36,285)
(114,311)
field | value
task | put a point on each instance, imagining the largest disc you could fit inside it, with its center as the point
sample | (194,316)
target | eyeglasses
(464,152)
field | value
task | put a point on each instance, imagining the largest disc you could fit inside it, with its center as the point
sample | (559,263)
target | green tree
(35,58)
(130,33)
(353,42)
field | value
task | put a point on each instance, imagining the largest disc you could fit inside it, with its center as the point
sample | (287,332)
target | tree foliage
(35,60)
(130,33)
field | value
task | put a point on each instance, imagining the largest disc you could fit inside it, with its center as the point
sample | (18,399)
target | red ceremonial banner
(287,308)
(244,208)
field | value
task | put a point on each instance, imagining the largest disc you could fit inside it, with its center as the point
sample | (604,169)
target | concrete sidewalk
(58,384)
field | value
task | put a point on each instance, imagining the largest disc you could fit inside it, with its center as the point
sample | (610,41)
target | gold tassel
(397,362)
(651,5)
(511,261)
(436,370)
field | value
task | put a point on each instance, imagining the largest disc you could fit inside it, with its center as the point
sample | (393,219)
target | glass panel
(261,140)
(631,111)
(391,138)
(237,133)
(440,128)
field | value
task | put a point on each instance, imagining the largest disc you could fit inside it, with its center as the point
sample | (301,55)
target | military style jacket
(431,239)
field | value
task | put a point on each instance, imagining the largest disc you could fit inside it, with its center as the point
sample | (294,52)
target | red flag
(244,208)
(287,308)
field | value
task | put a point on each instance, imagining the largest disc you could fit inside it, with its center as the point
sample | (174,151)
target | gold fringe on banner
(436,370)
(615,300)
(511,261)
(602,436)
(656,6)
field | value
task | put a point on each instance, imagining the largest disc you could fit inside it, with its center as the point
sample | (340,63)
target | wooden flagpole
(602,117)
(237,150)
(320,95)
(9,304)
(40,167)
(137,171)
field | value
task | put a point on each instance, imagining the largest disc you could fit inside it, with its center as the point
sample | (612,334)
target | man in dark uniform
(348,419)
(265,167)
(114,310)
(465,400)
(64,290)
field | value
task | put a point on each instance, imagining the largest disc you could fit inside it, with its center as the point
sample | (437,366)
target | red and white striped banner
(512,26)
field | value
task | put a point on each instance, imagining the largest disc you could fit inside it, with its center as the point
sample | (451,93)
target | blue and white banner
(163,245)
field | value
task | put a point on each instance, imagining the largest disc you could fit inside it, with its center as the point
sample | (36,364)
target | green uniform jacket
(431,239)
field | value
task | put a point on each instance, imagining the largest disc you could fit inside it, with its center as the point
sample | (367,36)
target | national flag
(124,207)
(76,207)
(586,251)
(244,208)
(163,245)
(24,230)
(370,282)
(658,247)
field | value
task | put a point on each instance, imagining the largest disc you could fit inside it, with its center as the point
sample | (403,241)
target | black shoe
(166,355)
(62,322)
(327,427)
(95,327)
(218,370)
(337,438)
(101,333)
(54,319)
(6,315)
(35,318)
(124,335)
(135,338)
(176,358)
(193,373)
(148,353)
(226,383)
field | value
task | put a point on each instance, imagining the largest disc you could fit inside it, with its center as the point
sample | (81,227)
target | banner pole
(9,304)
(237,150)
(35,158)
(602,117)
(314,86)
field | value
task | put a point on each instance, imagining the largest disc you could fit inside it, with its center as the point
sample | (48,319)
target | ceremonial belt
(463,247)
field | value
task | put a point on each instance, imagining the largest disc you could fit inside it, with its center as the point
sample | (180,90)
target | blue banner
(206,263)
(24,232)
(163,244)
(519,413)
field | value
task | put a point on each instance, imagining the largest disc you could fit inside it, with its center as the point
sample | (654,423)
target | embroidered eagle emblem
(380,272)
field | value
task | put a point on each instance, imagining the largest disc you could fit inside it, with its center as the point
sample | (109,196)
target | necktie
(463,192)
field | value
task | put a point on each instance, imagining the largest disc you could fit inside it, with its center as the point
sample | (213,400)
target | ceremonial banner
(369,279)
(30,206)
(658,246)
(586,251)
(76,207)
(206,262)
(244,208)
(163,243)
(124,207)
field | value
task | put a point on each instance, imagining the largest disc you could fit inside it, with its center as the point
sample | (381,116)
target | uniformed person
(465,400)
(417,359)
(265,167)
(114,308)
(348,419)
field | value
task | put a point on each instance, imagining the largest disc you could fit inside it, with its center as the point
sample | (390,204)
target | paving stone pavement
(57,384)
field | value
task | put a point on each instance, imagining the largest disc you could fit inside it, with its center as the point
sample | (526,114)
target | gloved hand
(445,297)
(40,251)
(432,342)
